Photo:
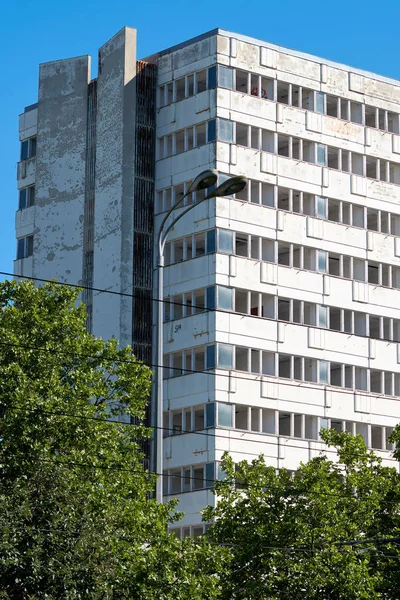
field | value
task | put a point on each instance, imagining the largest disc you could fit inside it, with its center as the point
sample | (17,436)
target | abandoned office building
(282,302)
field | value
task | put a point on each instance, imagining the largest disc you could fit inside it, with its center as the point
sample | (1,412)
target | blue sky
(359,33)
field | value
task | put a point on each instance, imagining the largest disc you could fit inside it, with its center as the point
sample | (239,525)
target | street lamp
(204,180)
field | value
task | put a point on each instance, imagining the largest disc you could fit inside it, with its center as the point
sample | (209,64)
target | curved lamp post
(204,180)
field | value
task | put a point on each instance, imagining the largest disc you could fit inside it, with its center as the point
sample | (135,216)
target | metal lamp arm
(170,211)
(162,238)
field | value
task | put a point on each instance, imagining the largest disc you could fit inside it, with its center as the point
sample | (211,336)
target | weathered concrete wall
(60,169)
(113,227)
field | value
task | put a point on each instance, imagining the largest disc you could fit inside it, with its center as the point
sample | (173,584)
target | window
(212,78)
(225,241)
(210,357)
(200,134)
(320,102)
(242,79)
(321,207)
(201,81)
(225,297)
(180,89)
(225,77)
(322,261)
(28,148)
(225,414)
(211,241)
(225,130)
(210,414)
(225,356)
(24,247)
(26,197)
(212,130)
(321,154)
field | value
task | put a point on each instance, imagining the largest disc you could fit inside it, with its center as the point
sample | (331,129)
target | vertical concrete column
(60,169)
(114,188)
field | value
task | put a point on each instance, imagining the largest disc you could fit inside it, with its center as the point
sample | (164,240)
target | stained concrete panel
(113,225)
(60,169)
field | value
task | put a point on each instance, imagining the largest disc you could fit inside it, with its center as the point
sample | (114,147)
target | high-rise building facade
(282,302)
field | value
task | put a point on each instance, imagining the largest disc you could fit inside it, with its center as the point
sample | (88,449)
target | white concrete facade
(283,302)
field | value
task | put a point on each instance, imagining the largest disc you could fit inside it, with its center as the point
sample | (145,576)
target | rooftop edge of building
(284,49)
(257,42)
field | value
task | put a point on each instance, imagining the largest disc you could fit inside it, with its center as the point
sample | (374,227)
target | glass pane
(220,472)
(24,149)
(31,196)
(225,297)
(321,207)
(210,414)
(225,356)
(321,254)
(323,316)
(22,199)
(324,423)
(32,150)
(201,81)
(225,77)
(29,245)
(212,78)
(323,371)
(209,475)
(319,102)
(212,130)
(211,245)
(225,131)
(210,297)
(210,356)
(225,414)
(225,241)
(21,248)
(321,154)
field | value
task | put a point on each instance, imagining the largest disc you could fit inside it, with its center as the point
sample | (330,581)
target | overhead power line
(228,438)
(170,301)
(210,372)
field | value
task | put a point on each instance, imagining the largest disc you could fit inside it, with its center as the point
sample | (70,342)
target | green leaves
(76,520)
(285,533)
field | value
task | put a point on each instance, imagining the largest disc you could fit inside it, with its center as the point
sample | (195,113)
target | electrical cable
(41,411)
(149,475)
(202,309)
(258,377)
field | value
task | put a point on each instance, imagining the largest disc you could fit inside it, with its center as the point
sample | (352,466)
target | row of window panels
(188,86)
(281,144)
(191,478)
(282,253)
(338,159)
(316,153)
(299,368)
(296,201)
(261,420)
(269,421)
(24,247)
(28,148)
(193,531)
(333,210)
(278,308)
(278,91)
(194,137)
(26,197)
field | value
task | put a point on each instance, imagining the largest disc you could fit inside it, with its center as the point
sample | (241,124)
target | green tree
(76,520)
(285,534)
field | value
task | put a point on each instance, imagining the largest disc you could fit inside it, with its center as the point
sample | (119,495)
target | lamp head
(233,185)
(204,180)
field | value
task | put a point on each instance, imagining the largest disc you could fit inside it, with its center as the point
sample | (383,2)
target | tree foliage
(286,534)
(76,518)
